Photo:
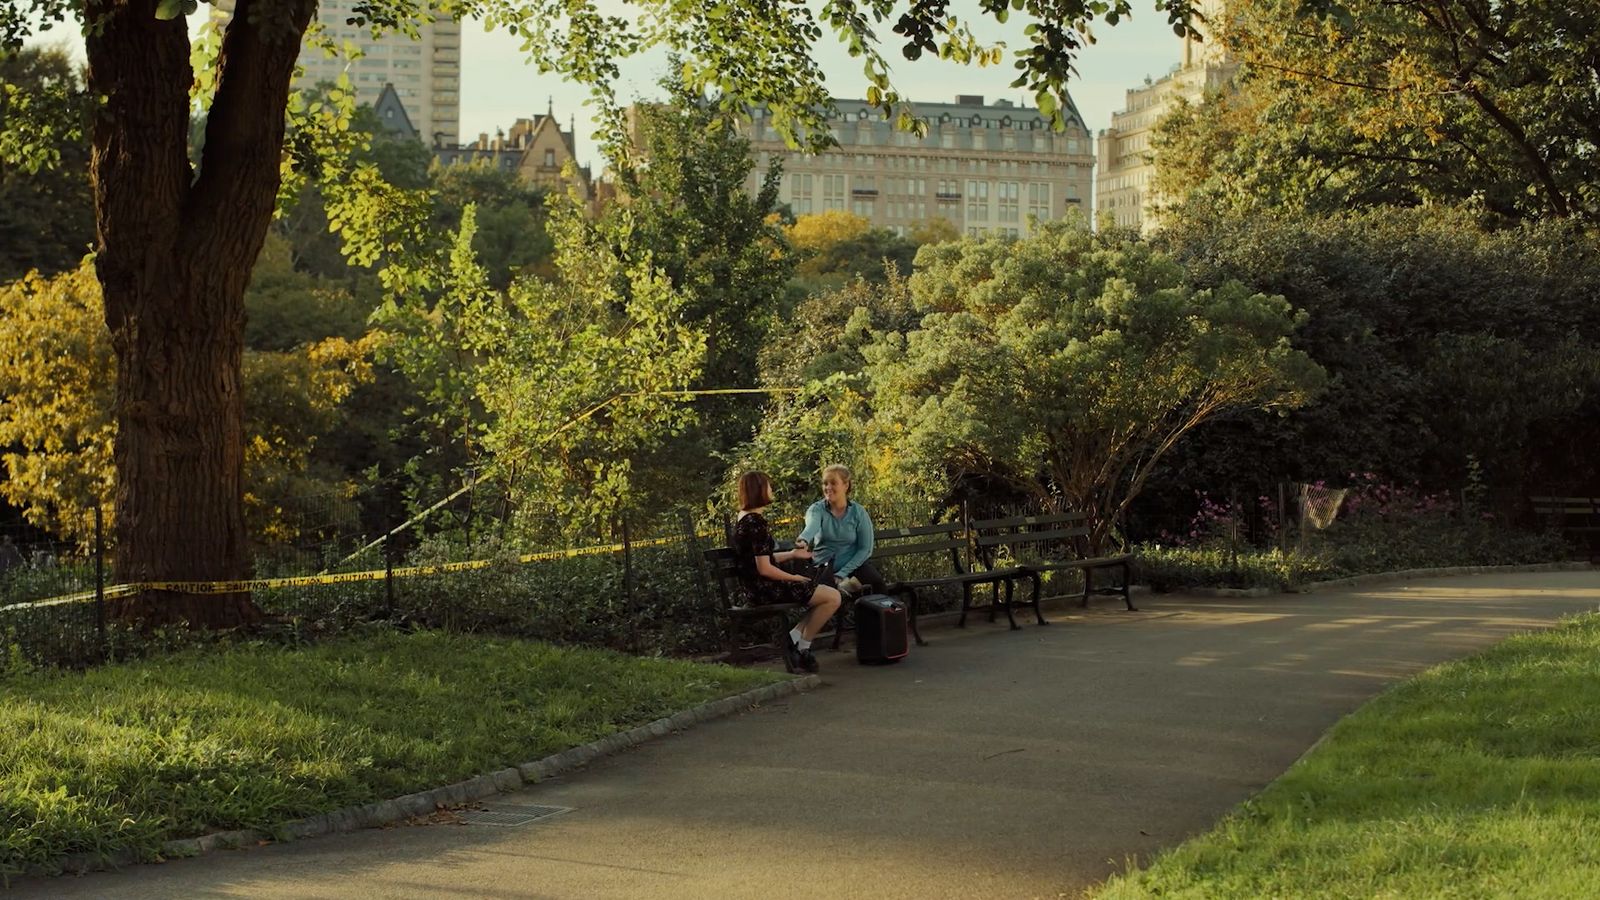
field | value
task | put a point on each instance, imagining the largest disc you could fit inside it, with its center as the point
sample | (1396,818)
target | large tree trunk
(174,260)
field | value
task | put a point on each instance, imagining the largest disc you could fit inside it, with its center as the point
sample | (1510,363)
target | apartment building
(426,72)
(987,168)
(1124,192)
(537,149)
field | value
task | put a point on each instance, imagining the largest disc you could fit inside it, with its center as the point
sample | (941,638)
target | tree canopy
(1365,102)
(178,239)
(1066,364)
(46,210)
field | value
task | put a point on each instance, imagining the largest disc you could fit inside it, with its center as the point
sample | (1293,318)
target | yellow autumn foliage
(57,387)
(57,381)
(816,232)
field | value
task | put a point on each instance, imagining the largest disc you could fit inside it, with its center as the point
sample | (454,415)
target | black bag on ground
(881,626)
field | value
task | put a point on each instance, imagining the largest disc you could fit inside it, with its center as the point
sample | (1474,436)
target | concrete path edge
(422,803)
(1400,574)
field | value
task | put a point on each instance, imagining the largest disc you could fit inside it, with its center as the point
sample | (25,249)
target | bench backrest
(1023,538)
(723,565)
(1560,510)
(949,538)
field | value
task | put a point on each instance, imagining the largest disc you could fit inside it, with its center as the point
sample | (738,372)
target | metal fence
(348,559)
(52,603)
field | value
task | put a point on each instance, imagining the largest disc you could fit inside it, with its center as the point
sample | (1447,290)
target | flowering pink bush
(1371,496)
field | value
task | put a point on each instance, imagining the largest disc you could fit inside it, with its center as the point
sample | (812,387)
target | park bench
(893,548)
(723,563)
(1048,543)
(1577,518)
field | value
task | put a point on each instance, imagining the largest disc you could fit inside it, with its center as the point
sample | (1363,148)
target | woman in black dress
(767,583)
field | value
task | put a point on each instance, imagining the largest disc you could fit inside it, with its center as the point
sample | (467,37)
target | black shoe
(808,661)
(791,654)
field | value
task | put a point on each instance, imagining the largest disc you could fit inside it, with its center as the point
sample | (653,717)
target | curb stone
(1402,574)
(385,812)
(1228,592)
(1372,577)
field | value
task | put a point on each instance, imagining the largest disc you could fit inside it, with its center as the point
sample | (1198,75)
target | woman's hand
(800,551)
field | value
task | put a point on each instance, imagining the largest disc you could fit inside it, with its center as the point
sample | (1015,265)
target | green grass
(1479,778)
(132,755)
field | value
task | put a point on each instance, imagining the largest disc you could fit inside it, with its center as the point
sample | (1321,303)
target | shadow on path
(991,763)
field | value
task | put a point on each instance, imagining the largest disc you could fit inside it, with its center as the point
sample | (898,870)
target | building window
(1008,142)
(1007,193)
(800,192)
(977,199)
(549,159)
(1039,201)
(947,140)
(833,192)
(863,208)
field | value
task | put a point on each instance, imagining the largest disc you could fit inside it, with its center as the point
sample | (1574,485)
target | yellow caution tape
(235,587)
(111,592)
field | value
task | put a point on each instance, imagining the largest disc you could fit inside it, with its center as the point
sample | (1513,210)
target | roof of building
(1000,113)
(392,114)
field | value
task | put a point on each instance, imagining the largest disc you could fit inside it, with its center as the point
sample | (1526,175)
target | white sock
(804,645)
(796,635)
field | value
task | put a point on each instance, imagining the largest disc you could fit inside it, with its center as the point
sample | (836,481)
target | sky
(1122,57)
(497,86)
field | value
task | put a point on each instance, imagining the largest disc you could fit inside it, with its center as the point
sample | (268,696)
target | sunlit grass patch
(1479,778)
(129,756)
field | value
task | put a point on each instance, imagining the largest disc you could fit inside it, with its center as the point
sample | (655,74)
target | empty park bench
(1048,543)
(1575,517)
(895,548)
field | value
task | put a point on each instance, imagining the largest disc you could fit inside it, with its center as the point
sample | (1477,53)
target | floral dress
(752,537)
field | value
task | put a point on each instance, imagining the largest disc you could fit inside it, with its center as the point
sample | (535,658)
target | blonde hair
(843,473)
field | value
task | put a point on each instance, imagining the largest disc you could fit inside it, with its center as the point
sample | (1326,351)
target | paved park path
(989,764)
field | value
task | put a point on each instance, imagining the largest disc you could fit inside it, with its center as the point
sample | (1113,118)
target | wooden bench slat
(1089,563)
(880,551)
(983,577)
(1018,521)
(1026,537)
(890,534)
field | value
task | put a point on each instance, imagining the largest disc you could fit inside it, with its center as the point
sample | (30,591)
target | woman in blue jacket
(839,534)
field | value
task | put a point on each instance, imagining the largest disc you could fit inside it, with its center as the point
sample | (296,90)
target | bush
(1443,343)
(1382,527)
(1167,568)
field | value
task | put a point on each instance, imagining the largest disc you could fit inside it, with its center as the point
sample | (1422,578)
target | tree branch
(244,131)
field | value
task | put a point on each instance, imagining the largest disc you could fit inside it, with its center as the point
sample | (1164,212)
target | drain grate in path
(510,815)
